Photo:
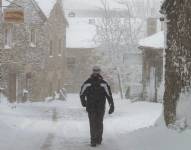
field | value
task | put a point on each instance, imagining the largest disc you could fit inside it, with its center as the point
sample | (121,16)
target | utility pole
(120,84)
(1,14)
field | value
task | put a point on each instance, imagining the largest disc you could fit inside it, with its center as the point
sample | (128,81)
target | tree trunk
(178,54)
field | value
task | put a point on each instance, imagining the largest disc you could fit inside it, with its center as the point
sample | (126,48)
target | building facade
(28,49)
(21,48)
(55,62)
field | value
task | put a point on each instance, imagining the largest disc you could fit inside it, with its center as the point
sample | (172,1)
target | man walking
(93,96)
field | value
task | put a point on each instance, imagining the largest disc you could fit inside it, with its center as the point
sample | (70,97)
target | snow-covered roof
(90,4)
(80,33)
(154,41)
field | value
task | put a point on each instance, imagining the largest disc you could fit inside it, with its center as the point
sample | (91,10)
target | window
(32,38)
(59,47)
(71,14)
(91,21)
(51,49)
(8,37)
(28,80)
(50,88)
(71,61)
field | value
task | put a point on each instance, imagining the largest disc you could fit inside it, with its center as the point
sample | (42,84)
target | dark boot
(93,144)
(99,141)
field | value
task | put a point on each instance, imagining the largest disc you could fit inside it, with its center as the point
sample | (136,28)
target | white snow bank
(28,125)
(3,99)
(183,108)
(155,41)
(156,138)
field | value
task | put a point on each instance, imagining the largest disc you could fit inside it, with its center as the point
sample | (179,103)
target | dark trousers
(96,125)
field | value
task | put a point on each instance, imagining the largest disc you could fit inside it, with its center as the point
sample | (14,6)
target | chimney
(151,26)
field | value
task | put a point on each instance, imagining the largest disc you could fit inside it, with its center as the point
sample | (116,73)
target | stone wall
(79,67)
(21,57)
(55,46)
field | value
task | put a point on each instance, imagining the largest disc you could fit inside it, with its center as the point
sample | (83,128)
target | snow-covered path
(64,125)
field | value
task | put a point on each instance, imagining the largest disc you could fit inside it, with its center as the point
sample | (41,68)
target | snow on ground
(64,126)
(156,138)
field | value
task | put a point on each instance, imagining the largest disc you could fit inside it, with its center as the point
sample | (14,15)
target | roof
(82,31)
(90,4)
(155,41)
(80,34)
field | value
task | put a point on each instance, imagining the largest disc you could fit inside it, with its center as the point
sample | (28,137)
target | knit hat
(96,69)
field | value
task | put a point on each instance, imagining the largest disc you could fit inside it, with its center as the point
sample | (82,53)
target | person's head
(96,70)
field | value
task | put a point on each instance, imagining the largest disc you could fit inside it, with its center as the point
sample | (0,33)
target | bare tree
(117,34)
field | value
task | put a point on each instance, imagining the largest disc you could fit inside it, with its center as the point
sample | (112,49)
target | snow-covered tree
(116,33)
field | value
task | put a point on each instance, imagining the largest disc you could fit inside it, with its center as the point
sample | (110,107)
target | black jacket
(94,92)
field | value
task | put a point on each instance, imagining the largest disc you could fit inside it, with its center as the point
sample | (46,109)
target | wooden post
(120,84)
(1,14)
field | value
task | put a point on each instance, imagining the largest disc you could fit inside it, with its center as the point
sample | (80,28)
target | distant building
(80,48)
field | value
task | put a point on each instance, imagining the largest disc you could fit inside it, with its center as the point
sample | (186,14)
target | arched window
(51,48)
(33,38)
(59,47)
(8,37)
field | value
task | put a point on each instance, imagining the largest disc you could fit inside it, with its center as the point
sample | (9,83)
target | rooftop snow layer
(90,4)
(47,5)
(80,34)
(154,41)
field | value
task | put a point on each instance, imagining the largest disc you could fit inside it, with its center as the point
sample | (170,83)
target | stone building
(55,62)
(21,50)
(152,72)
(28,52)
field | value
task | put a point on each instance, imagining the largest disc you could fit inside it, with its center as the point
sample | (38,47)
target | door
(152,88)
(12,87)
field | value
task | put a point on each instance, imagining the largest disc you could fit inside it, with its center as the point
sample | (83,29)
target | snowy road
(64,125)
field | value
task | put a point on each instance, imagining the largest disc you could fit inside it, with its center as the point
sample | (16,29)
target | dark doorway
(12,87)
